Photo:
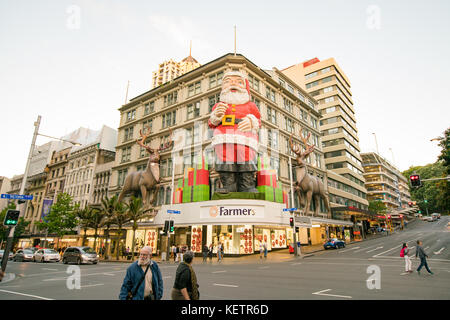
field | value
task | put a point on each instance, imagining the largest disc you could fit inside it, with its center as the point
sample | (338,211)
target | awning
(331,221)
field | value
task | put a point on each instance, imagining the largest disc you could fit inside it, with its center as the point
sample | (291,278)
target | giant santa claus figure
(236,122)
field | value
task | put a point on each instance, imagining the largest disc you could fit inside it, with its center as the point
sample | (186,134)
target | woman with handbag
(186,286)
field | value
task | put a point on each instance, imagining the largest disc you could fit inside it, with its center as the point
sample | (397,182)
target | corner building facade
(183,106)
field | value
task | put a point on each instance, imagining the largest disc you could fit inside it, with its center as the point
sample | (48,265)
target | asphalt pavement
(370,269)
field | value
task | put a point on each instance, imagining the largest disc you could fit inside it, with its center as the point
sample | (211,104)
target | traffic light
(415,180)
(171,227)
(291,221)
(166,226)
(297,229)
(11,218)
(410,204)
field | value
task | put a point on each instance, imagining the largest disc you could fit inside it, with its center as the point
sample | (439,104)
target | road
(332,274)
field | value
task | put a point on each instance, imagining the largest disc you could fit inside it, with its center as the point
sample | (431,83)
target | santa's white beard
(240,96)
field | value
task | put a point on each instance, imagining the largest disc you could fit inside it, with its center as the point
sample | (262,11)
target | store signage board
(174,211)
(290,209)
(227,212)
(16,196)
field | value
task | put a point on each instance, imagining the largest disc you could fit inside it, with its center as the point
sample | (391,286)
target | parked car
(46,255)
(10,255)
(437,215)
(334,243)
(80,255)
(24,255)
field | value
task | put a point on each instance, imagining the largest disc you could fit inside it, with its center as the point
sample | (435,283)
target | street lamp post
(297,251)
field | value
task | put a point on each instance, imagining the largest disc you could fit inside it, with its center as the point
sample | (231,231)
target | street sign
(174,211)
(290,209)
(16,196)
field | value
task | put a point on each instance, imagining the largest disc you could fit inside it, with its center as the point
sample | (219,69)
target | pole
(297,251)
(9,241)
(376,142)
(126,95)
(235,40)
(171,205)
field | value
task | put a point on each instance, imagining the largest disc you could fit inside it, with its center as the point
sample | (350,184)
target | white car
(46,255)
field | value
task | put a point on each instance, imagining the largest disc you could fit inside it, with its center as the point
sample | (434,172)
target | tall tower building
(170,69)
(328,84)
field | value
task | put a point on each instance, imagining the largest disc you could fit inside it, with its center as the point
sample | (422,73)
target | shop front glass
(196,238)
(243,235)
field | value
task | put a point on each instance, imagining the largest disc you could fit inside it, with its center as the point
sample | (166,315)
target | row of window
(341,186)
(79,176)
(82,162)
(344,164)
(79,190)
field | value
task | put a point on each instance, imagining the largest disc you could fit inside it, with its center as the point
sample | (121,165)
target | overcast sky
(69,61)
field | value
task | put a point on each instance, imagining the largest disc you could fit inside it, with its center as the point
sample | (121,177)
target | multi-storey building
(183,106)
(384,182)
(82,164)
(101,181)
(170,69)
(328,84)
(5,186)
(56,174)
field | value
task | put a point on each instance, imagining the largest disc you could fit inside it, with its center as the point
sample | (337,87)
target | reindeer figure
(148,180)
(305,183)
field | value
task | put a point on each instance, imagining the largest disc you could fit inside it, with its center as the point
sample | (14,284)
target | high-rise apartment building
(328,84)
(170,69)
(384,182)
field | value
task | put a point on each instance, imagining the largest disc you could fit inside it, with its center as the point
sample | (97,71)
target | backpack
(402,253)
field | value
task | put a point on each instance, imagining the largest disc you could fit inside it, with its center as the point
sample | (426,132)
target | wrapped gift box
(268,192)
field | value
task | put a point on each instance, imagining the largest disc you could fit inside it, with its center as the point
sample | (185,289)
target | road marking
(92,285)
(396,247)
(25,295)
(426,248)
(374,249)
(440,250)
(402,274)
(263,267)
(321,293)
(109,274)
(219,271)
(55,279)
(294,264)
(50,269)
(225,285)
(349,250)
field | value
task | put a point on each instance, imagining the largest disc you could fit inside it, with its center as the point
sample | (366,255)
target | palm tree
(135,213)
(96,221)
(120,218)
(83,216)
(108,208)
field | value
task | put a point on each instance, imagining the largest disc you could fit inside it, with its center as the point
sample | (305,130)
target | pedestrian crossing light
(415,180)
(11,218)
(291,221)
(171,227)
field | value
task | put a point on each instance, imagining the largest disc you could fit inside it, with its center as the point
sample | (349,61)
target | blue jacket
(134,275)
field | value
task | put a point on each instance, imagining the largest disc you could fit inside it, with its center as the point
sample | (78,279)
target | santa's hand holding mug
(236,122)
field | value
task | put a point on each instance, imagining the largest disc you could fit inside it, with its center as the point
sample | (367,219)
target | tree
(135,213)
(377,207)
(20,227)
(84,216)
(430,190)
(96,221)
(62,218)
(120,218)
(444,143)
(108,208)
(443,186)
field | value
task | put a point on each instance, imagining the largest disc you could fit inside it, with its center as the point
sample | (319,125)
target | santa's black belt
(230,120)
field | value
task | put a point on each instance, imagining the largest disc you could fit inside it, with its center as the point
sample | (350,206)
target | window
(126,154)
(193,110)
(170,99)
(327,79)
(121,177)
(289,124)
(253,83)
(329,99)
(325,70)
(272,115)
(301,96)
(312,84)
(142,152)
(147,126)
(212,100)
(131,115)
(189,137)
(303,115)
(310,75)
(194,89)
(215,79)
(287,105)
(149,107)
(327,89)
(168,195)
(275,165)
(282,83)
(314,122)
(168,119)
(128,134)
(270,94)
(272,139)
(291,89)
(141,167)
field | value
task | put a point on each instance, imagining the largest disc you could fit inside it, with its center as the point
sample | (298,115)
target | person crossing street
(423,258)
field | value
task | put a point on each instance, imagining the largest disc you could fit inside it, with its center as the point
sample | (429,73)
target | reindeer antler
(296,149)
(168,144)
(144,136)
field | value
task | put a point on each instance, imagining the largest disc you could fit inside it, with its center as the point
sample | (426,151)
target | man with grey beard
(236,122)
(143,280)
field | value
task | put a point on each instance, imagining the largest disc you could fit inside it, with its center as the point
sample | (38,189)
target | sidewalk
(273,256)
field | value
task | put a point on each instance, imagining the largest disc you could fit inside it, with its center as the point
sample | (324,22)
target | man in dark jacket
(151,288)
(423,257)
(185,286)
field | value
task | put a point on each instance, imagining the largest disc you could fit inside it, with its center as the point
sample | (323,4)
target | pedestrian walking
(143,280)
(174,253)
(423,257)
(219,252)
(185,286)
(404,254)
(205,252)
(178,253)
(261,250)
(210,252)
(265,249)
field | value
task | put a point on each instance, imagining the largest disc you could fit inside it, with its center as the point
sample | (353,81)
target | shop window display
(278,238)
(196,239)
(245,239)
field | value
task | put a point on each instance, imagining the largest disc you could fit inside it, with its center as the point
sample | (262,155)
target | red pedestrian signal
(415,180)
(291,221)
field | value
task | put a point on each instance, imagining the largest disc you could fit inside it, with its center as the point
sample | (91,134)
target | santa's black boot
(247,182)
(228,180)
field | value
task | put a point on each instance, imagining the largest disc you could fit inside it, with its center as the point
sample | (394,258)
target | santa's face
(234,90)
